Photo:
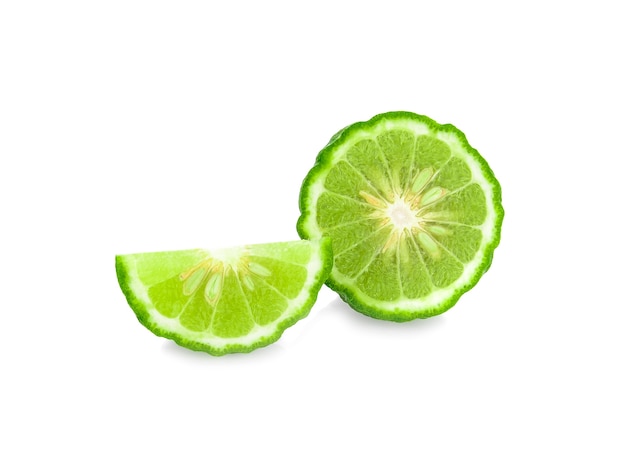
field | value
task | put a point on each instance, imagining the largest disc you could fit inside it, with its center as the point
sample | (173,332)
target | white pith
(401,215)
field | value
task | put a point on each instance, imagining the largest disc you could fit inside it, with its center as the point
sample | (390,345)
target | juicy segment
(412,210)
(225,301)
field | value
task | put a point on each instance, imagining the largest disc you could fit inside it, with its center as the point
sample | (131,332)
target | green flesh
(226,301)
(412,210)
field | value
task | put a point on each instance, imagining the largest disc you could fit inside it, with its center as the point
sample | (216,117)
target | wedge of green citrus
(413,211)
(226,301)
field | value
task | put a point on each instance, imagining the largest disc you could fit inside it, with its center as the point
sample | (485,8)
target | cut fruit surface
(413,211)
(225,301)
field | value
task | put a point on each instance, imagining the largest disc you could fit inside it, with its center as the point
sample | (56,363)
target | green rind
(323,160)
(297,314)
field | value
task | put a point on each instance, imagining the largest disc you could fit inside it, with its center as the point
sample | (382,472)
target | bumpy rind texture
(298,314)
(323,159)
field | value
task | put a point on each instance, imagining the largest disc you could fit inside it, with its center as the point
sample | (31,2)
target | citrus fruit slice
(413,212)
(225,301)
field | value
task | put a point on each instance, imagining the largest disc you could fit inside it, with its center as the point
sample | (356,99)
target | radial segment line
(445,164)
(188,302)
(245,297)
(448,250)
(367,180)
(168,276)
(177,274)
(386,164)
(191,297)
(347,224)
(358,242)
(418,250)
(366,266)
(217,302)
(278,291)
(438,172)
(454,192)
(413,163)
(454,223)
(346,197)
(399,270)
(213,318)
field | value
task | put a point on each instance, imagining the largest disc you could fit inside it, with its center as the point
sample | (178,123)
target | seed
(432,195)
(429,245)
(258,269)
(213,288)
(193,279)
(422,178)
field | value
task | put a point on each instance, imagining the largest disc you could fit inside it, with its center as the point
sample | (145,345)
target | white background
(129,126)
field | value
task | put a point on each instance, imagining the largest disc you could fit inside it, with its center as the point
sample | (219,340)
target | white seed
(213,288)
(422,178)
(391,240)
(432,195)
(248,282)
(429,245)
(438,230)
(193,280)
(371,199)
(258,269)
